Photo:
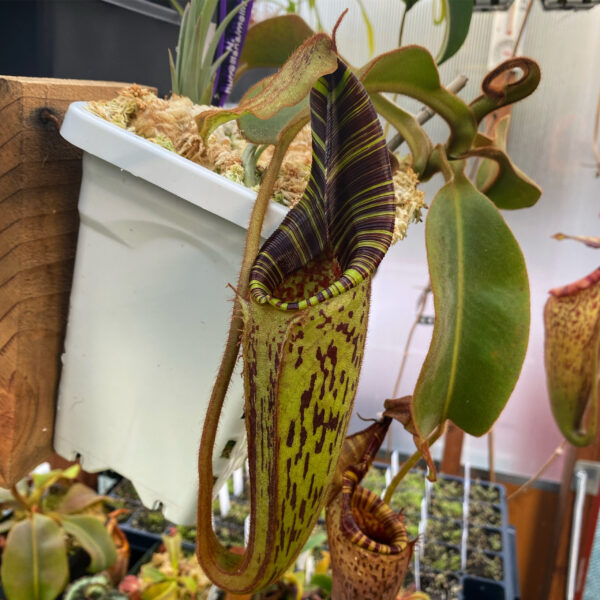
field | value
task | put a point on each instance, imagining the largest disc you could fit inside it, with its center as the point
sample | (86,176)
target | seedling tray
(466,548)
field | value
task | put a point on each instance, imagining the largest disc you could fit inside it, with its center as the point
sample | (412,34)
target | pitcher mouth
(369,522)
(347,211)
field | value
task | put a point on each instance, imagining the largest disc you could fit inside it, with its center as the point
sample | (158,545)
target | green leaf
(412,71)
(416,138)
(266,131)
(289,86)
(314,541)
(166,590)
(572,323)
(497,92)
(508,187)
(409,4)
(150,573)
(481,298)
(271,42)
(488,169)
(34,561)
(173,547)
(92,536)
(322,581)
(190,583)
(457,14)
(78,498)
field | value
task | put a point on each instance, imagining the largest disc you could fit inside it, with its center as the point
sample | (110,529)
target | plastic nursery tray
(452,543)
(142,539)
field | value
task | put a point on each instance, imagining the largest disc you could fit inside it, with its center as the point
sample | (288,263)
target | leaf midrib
(460,269)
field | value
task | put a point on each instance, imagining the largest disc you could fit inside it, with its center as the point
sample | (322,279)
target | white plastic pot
(160,239)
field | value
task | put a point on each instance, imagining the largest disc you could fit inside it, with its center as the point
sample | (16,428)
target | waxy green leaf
(34,561)
(457,16)
(271,42)
(509,188)
(267,131)
(416,138)
(42,481)
(481,298)
(288,87)
(93,537)
(166,590)
(78,498)
(499,178)
(572,323)
(412,71)
(488,169)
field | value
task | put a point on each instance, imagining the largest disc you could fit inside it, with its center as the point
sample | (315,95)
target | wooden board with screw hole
(40,175)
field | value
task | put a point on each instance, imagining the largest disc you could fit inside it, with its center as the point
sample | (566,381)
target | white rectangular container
(160,239)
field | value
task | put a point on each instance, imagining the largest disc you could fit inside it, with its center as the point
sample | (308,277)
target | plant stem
(522,28)
(557,452)
(491,457)
(232,346)
(401,31)
(426,113)
(18,497)
(410,463)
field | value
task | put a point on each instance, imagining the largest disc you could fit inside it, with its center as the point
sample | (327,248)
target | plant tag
(224,503)
(388,477)
(505,29)
(309,569)
(238,482)
(246,530)
(395,463)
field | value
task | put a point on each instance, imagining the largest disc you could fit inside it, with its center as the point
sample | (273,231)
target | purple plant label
(231,42)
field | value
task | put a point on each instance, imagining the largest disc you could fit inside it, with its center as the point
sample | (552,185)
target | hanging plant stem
(410,463)
(232,345)
(557,452)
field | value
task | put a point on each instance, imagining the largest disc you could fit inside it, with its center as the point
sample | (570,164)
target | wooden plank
(40,174)
(533,514)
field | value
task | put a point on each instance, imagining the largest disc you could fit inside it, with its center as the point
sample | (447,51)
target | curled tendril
(498,91)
